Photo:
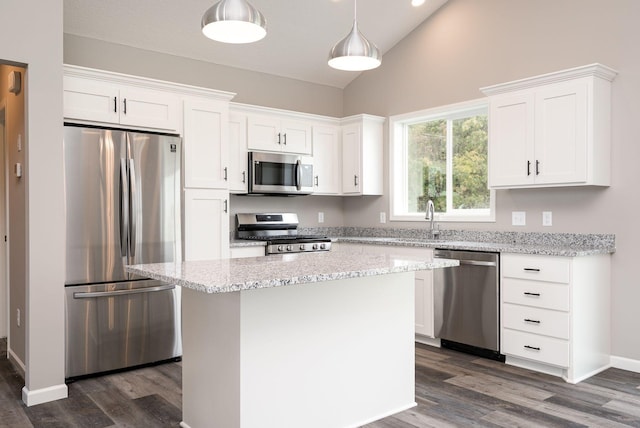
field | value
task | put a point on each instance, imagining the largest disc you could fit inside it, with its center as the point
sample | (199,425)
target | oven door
(276,173)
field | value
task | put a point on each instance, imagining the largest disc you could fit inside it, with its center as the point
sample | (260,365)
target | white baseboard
(44,395)
(427,340)
(625,364)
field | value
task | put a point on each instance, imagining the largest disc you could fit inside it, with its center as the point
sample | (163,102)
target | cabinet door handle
(527,293)
(285,139)
(531,269)
(532,321)
(115,104)
(279,136)
(355,180)
(124,110)
(225,204)
(316,179)
(537,167)
(225,173)
(528,168)
(244,176)
(535,348)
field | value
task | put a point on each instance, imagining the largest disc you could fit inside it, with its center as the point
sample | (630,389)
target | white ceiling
(300,33)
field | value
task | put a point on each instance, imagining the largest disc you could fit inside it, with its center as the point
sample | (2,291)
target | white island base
(325,354)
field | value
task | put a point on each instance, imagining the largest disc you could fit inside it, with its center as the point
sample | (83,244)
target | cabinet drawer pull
(537,167)
(527,293)
(532,321)
(534,348)
(531,269)
(528,168)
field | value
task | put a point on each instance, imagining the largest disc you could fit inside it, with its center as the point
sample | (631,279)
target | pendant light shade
(354,52)
(234,21)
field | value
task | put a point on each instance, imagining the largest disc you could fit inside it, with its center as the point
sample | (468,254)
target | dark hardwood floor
(452,390)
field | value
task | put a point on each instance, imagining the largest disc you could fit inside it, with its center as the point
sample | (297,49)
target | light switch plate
(320,217)
(547,218)
(383,217)
(518,218)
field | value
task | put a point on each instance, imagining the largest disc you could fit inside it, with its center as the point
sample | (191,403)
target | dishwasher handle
(470,262)
(91,294)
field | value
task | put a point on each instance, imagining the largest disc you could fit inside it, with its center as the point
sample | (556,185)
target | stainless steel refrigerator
(122,193)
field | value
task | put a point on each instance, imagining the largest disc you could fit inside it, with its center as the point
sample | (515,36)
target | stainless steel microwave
(280,174)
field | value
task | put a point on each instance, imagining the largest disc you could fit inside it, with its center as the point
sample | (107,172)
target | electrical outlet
(547,218)
(18,317)
(320,217)
(383,217)
(518,218)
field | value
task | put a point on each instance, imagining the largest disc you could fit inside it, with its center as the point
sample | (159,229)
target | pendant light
(354,52)
(234,21)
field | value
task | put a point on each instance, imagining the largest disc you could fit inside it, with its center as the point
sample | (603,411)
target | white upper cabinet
(206,145)
(362,155)
(327,160)
(95,100)
(551,130)
(238,159)
(278,133)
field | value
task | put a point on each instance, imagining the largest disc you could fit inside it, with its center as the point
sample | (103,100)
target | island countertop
(230,275)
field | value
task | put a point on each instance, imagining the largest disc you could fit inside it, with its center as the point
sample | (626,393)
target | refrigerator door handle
(91,294)
(133,208)
(124,207)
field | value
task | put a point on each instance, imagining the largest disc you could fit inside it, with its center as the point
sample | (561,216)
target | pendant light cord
(355,10)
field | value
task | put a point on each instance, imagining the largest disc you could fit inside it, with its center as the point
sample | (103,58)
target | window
(441,154)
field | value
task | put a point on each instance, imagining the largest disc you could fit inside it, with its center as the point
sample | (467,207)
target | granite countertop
(547,249)
(539,245)
(229,275)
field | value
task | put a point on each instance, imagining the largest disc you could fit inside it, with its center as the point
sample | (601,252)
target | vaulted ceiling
(300,33)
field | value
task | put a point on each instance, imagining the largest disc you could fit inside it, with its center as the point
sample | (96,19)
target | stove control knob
(288,247)
(302,247)
(279,248)
(315,246)
(323,246)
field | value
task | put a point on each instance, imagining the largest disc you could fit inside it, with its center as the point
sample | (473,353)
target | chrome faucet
(430,216)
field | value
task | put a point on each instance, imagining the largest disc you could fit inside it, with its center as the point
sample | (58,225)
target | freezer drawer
(119,325)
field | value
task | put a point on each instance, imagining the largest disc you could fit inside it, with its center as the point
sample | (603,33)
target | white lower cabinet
(244,252)
(555,314)
(206,224)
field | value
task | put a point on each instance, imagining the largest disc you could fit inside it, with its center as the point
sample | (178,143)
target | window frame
(397,160)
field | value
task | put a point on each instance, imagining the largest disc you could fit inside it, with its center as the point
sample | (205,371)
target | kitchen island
(298,340)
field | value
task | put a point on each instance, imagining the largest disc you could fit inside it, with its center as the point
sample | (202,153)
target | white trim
(623,363)
(44,395)
(430,341)
(383,415)
(396,126)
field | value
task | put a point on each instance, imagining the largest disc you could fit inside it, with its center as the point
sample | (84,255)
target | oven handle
(90,294)
(298,175)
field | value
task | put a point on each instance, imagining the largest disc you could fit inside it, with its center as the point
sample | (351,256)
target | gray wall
(35,39)
(251,87)
(17,194)
(468,44)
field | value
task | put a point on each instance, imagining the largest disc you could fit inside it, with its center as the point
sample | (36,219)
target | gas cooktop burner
(280,231)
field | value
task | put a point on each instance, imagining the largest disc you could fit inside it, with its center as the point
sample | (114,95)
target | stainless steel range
(280,231)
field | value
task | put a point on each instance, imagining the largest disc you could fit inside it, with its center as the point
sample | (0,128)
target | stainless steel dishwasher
(466,303)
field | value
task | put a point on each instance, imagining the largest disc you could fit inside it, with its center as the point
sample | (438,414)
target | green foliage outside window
(427,164)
